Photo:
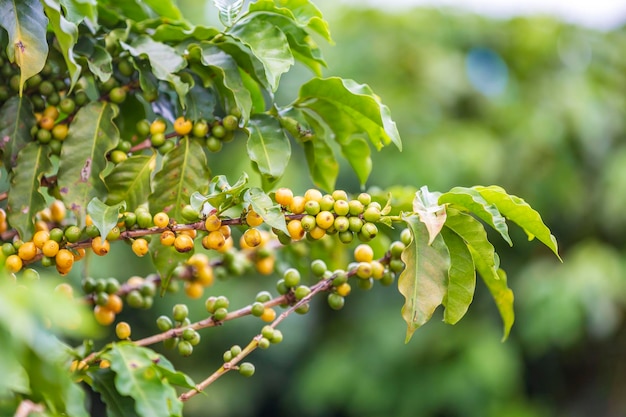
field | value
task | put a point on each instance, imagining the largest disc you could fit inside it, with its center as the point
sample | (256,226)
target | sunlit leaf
(25,199)
(83,157)
(26,24)
(15,125)
(77,11)
(268,146)
(221,194)
(129,181)
(432,214)
(176,33)
(105,217)
(302,11)
(246,59)
(519,212)
(266,208)
(165,8)
(461,278)
(423,281)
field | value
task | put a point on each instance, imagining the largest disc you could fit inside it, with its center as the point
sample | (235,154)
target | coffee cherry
(388,278)
(218,131)
(126,68)
(220,314)
(263,296)
(41,237)
(170,343)
(185,348)
(368,232)
(364,270)
(378,270)
(253,219)
(182,126)
(115,303)
(355,207)
(200,129)
(50,248)
(396,265)
(303,309)
(265,266)
(264,343)
(343,289)
(363,253)
(257,309)
(214,240)
(277,337)
(27,251)
(117,95)
(396,248)
(335,301)
(157,126)
(72,234)
(301,291)
(312,207)
(180,312)
(252,238)
(297,205)
(406,237)
(67,105)
(212,223)
(355,224)
(122,330)
(164,323)
(318,267)
(140,247)
(295,229)
(246,369)
(161,220)
(143,128)
(283,196)
(346,237)
(183,243)
(365,284)
(135,299)
(100,247)
(230,123)
(213,144)
(269,315)
(114,234)
(13,263)
(167,238)
(313,194)
(103,315)
(291,277)
(325,219)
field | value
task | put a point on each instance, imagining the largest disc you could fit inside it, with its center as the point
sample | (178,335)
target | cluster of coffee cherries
(180,320)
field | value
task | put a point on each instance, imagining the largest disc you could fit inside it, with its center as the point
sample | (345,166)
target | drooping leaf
(26,24)
(357,101)
(118,405)
(221,194)
(15,125)
(424,278)
(184,171)
(266,208)
(129,181)
(268,146)
(164,61)
(519,212)
(66,33)
(105,217)
(137,376)
(83,156)
(246,60)
(25,200)
(470,200)
(432,214)
(485,261)
(269,44)
(461,278)
(178,378)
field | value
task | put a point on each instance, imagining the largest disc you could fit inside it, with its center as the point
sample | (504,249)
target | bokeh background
(531,103)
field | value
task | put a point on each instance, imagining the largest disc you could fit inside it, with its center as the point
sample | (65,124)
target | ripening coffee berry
(297,205)
(246,369)
(230,123)
(194,289)
(183,243)
(220,314)
(72,234)
(284,196)
(368,231)
(212,223)
(295,229)
(157,126)
(64,259)
(378,270)
(343,289)
(252,238)
(264,343)
(122,330)
(269,315)
(115,303)
(117,95)
(308,222)
(167,238)
(253,219)
(140,247)
(180,312)
(161,220)
(313,194)
(364,270)
(312,207)
(277,337)
(200,129)
(265,266)
(13,263)
(324,219)
(103,315)
(27,251)
(214,240)
(182,126)
(363,253)
(100,247)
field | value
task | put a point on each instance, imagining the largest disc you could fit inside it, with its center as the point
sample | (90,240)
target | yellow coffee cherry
(183,243)
(324,219)
(343,289)
(161,220)
(13,263)
(194,289)
(88,220)
(115,303)
(197,260)
(41,237)
(79,253)
(57,211)
(313,194)
(378,269)
(294,227)
(284,196)
(41,225)
(265,266)
(253,219)
(182,126)
(297,205)
(27,251)
(269,315)
(228,244)
(363,253)
(225,230)
(122,330)
(100,247)
(3,215)
(157,126)
(205,275)
(212,223)
(140,247)
(192,233)
(104,364)
(252,238)
(214,240)
(317,233)
(167,238)
(50,248)
(64,260)
(103,315)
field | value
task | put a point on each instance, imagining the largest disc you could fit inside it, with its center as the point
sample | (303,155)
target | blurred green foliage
(532,104)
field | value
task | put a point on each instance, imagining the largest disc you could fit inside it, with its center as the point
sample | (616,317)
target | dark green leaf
(118,405)
(26,24)
(268,146)
(105,217)
(266,208)
(130,181)
(200,103)
(520,213)
(15,124)
(461,278)
(167,371)
(25,199)
(83,157)
(470,200)
(97,58)
(184,171)
(66,33)
(424,279)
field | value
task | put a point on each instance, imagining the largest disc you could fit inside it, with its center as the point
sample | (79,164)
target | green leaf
(221,194)
(470,200)
(137,376)
(26,24)
(179,33)
(164,61)
(167,371)
(183,172)
(432,214)
(165,8)
(268,146)
(486,262)
(77,11)
(118,405)
(246,59)
(520,213)
(357,101)
(105,217)
(66,33)
(98,59)
(83,157)
(25,200)
(200,103)
(15,125)
(271,212)
(165,260)
(303,11)
(423,281)
(269,44)
(461,278)
(129,181)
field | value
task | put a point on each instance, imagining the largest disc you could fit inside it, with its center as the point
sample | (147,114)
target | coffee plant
(111,115)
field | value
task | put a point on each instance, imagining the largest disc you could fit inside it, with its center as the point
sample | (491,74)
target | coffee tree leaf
(268,44)
(165,260)
(469,200)
(77,11)
(137,376)
(358,102)
(105,217)
(519,212)
(66,33)
(432,214)
(91,135)
(262,204)
(184,171)
(165,8)
(25,200)
(26,24)
(423,281)
(461,278)
(15,125)
(304,12)
(174,377)
(268,146)
(97,58)
(130,181)
(118,405)
(486,262)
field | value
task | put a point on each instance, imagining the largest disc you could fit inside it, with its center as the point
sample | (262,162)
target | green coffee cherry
(220,314)
(291,277)
(281,287)
(135,299)
(268,332)
(257,309)
(235,350)
(406,237)
(246,369)
(277,337)
(396,248)
(335,301)
(170,343)
(301,292)
(303,309)
(263,296)
(185,348)
(227,356)
(318,267)
(180,312)
(264,343)
(164,323)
